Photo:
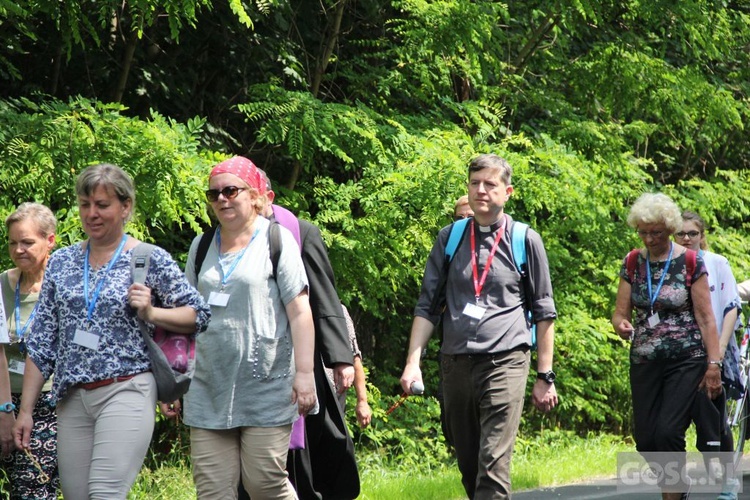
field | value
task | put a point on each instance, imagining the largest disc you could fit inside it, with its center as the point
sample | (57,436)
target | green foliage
(46,144)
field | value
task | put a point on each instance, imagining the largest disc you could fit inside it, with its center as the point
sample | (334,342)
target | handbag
(172,355)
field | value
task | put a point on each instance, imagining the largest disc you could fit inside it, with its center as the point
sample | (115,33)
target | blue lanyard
(652,298)
(226,273)
(91,304)
(20,331)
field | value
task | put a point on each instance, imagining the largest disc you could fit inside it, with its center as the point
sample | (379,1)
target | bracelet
(7,407)
(720,364)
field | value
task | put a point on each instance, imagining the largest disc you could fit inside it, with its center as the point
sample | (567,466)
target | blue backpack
(518,249)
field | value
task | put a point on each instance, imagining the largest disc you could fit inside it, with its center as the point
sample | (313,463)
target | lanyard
(91,304)
(479,283)
(226,273)
(652,298)
(21,330)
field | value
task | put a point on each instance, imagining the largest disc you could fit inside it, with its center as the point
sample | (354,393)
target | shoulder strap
(140,262)
(518,245)
(203,245)
(274,246)
(632,262)
(458,229)
(456,234)
(690,263)
(518,249)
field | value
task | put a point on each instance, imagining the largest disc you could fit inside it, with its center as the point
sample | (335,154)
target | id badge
(474,311)
(653,320)
(86,339)
(218,299)
(16,366)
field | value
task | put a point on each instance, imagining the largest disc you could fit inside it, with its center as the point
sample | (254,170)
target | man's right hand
(411,374)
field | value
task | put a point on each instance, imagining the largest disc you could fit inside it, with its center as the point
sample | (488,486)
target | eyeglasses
(689,234)
(653,234)
(229,192)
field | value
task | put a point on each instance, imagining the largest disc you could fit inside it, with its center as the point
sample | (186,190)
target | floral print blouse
(676,335)
(120,350)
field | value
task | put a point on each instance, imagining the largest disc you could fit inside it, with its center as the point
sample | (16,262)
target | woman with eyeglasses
(254,364)
(31,237)
(86,331)
(710,417)
(663,307)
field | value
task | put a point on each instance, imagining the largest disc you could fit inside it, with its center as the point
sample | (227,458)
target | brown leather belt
(107,381)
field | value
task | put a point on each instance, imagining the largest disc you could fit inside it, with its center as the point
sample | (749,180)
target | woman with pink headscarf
(254,364)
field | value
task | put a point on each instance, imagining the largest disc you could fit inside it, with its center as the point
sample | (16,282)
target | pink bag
(297,439)
(179,348)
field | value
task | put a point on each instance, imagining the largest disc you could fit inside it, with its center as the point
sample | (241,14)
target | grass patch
(558,457)
(444,482)
(167,482)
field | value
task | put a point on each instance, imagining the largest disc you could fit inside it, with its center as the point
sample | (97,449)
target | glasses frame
(654,234)
(229,193)
(689,234)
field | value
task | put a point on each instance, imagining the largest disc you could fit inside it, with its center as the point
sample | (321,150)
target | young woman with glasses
(710,416)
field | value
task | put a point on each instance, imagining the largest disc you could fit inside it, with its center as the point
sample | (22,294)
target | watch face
(548,377)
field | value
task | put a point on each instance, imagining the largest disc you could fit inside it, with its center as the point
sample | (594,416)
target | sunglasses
(229,192)
(689,234)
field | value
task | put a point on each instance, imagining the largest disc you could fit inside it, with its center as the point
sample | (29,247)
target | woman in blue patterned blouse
(86,333)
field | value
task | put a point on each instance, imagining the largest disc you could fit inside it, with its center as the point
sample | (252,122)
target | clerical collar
(492,227)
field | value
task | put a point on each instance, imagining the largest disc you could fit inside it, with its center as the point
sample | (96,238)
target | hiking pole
(417,388)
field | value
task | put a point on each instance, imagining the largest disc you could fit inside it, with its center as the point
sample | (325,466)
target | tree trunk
(333,37)
(127,62)
(536,38)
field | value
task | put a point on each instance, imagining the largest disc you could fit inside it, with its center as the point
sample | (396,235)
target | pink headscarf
(244,169)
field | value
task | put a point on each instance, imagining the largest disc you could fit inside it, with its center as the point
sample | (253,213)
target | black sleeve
(331,335)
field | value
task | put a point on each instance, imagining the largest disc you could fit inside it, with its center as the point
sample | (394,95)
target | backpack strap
(518,232)
(140,261)
(631,263)
(518,245)
(274,246)
(458,229)
(690,263)
(203,245)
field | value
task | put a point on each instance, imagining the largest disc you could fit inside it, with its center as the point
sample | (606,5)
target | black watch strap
(548,377)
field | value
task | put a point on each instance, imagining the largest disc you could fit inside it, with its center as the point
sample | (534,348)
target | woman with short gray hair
(674,346)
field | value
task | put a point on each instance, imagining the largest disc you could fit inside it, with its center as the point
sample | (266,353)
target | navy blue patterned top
(121,349)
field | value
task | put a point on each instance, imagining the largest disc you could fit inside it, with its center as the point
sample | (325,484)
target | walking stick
(417,388)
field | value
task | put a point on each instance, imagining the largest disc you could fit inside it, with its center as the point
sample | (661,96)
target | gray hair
(492,161)
(107,176)
(655,208)
(45,220)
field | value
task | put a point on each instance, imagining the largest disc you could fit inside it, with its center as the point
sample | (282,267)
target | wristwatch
(548,377)
(719,363)
(7,407)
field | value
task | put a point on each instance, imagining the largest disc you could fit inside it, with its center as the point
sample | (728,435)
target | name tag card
(16,366)
(86,339)
(474,311)
(218,299)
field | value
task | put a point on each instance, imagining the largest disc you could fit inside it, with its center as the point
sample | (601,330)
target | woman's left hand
(303,392)
(711,382)
(139,298)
